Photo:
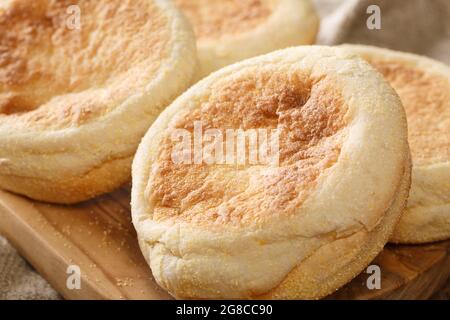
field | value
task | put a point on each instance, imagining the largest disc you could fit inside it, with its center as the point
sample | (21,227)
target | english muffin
(215,219)
(80,84)
(232,30)
(424,88)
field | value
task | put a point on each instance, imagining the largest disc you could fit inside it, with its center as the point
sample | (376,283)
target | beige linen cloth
(419,26)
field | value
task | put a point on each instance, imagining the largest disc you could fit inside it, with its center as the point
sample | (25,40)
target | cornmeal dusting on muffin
(426,98)
(310,115)
(54,75)
(212,18)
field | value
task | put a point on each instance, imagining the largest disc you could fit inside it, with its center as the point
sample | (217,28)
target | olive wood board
(98,237)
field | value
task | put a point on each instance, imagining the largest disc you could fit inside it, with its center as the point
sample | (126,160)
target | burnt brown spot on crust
(58,75)
(214,18)
(310,115)
(426,98)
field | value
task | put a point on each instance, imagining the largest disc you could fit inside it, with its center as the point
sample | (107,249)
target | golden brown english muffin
(424,88)
(232,30)
(294,213)
(80,83)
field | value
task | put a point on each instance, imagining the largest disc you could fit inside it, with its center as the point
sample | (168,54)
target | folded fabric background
(418,26)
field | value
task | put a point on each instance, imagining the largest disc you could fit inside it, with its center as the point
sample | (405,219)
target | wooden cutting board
(98,237)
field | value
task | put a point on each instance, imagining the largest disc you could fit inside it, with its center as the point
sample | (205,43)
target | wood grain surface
(98,237)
